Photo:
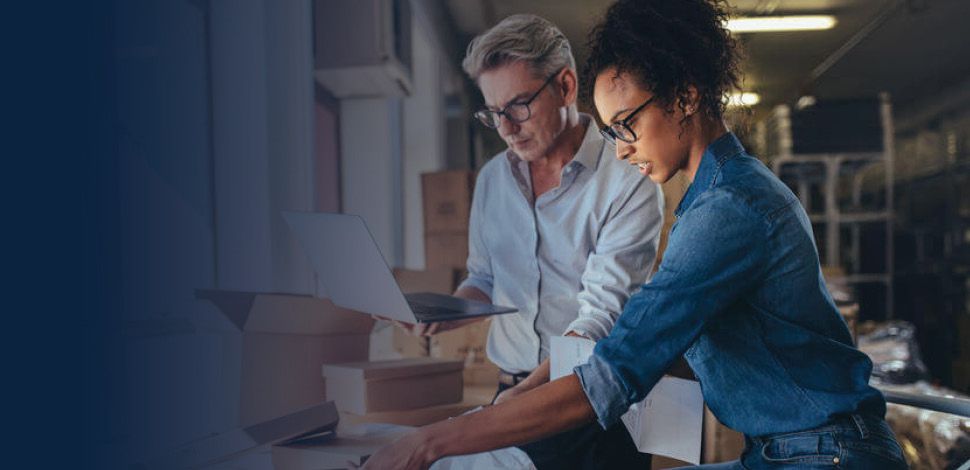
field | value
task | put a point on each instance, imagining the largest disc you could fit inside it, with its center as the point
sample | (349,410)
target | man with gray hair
(559,228)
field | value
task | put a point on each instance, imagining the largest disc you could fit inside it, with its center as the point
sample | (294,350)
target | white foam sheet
(510,458)
(667,422)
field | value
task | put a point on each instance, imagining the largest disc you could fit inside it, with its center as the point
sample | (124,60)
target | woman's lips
(645,168)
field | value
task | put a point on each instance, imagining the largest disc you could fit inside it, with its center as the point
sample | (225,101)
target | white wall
(263,111)
(423,140)
(370,161)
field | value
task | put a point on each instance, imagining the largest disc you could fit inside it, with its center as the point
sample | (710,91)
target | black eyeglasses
(514,112)
(621,129)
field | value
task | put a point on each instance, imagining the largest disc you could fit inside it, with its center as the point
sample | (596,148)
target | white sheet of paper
(667,422)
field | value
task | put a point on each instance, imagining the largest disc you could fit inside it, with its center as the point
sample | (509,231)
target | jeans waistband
(859,424)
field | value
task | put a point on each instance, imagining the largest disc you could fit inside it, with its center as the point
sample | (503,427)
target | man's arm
(618,264)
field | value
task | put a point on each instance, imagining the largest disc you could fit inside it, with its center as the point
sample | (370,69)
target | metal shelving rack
(797,167)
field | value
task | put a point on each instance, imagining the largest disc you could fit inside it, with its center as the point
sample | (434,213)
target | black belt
(510,379)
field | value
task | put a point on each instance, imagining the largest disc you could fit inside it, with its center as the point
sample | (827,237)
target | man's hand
(429,329)
(510,393)
(415,329)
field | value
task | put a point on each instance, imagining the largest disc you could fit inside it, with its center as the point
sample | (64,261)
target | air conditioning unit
(362,48)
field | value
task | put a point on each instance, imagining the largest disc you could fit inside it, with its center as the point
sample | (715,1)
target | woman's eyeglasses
(621,129)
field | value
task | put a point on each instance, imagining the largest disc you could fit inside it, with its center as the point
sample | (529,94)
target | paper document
(667,422)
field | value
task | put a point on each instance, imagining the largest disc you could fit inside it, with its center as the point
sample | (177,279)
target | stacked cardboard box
(285,339)
(437,280)
(472,397)
(404,384)
(467,344)
(447,197)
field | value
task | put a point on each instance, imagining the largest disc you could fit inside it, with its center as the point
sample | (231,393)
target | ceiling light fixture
(743,99)
(760,24)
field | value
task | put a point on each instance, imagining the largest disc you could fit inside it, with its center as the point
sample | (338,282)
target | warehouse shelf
(825,170)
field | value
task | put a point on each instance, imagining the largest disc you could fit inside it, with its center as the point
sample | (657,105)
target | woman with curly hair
(739,293)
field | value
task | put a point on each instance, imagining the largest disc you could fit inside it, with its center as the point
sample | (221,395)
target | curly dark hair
(669,45)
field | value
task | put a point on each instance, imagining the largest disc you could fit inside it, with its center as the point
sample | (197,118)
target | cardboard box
(659,462)
(436,280)
(351,445)
(285,340)
(367,387)
(720,444)
(439,281)
(468,344)
(473,397)
(447,197)
(446,250)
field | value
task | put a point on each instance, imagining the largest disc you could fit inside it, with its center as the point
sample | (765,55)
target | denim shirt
(740,295)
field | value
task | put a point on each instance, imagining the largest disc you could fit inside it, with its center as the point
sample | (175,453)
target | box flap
(287,313)
(234,305)
(380,370)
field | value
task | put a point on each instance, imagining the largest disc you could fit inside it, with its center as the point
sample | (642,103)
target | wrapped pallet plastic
(894,353)
(930,440)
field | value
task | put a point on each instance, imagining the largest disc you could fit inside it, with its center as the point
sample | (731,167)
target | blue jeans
(855,442)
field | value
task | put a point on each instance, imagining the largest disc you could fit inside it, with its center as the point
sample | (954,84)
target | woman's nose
(623,150)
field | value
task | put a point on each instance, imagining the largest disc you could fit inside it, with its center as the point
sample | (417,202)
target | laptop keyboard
(428,310)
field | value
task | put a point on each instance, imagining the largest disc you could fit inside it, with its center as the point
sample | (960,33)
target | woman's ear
(692,101)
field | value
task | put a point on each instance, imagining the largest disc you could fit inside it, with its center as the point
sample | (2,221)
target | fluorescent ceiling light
(780,23)
(743,99)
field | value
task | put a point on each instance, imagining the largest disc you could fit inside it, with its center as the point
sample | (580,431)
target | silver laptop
(356,276)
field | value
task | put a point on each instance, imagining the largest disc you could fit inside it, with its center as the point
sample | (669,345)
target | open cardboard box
(285,339)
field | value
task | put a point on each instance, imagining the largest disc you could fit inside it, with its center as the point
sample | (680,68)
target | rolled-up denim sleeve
(621,259)
(479,262)
(714,257)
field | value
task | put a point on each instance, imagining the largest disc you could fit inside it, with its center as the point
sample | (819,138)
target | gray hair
(519,38)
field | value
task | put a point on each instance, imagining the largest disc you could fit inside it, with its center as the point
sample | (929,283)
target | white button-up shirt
(567,260)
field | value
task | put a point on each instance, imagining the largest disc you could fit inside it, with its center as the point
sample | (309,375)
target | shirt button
(835,460)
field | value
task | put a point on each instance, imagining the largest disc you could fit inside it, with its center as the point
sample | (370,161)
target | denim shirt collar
(715,156)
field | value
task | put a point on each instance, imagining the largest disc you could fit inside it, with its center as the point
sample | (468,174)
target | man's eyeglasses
(514,112)
(621,129)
